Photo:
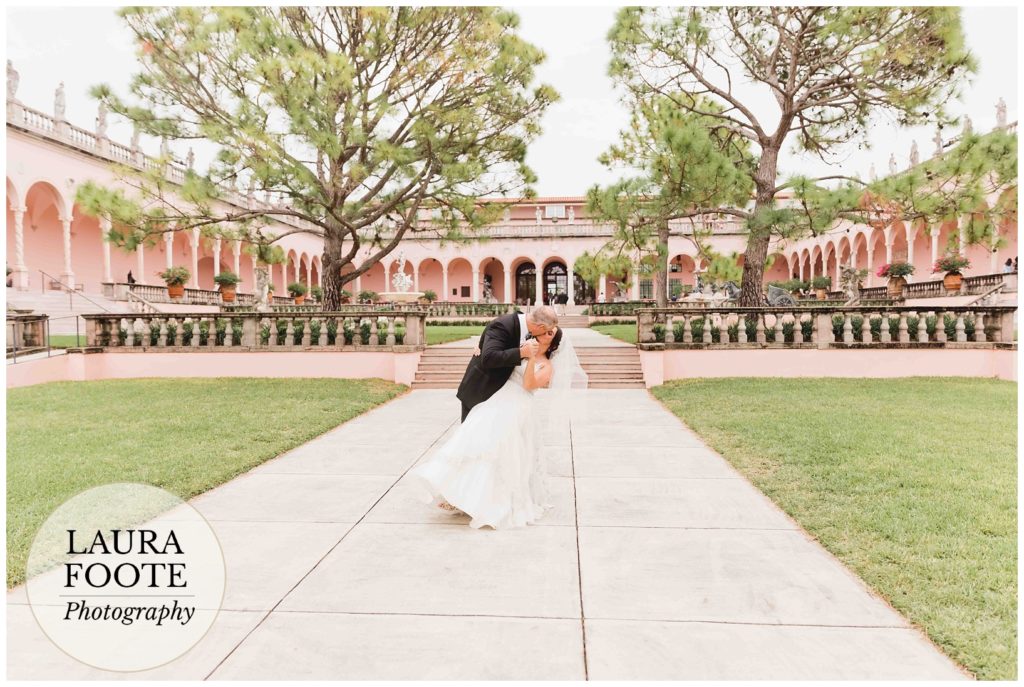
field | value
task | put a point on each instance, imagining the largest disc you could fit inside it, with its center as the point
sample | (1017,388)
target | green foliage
(175,276)
(227,279)
(366,296)
(430,296)
(951,263)
(821,282)
(297,288)
(317,292)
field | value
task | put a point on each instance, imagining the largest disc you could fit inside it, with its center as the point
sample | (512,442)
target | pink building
(532,250)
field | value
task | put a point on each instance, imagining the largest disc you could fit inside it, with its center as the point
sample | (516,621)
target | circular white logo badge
(125,577)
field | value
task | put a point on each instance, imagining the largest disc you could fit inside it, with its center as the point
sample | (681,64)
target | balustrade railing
(158,294)
(179,332)
(825,327)
(971,286)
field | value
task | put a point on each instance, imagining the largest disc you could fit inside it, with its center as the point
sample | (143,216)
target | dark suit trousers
(465,411)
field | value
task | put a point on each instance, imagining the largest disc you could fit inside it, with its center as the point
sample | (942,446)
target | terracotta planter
(227,294)
(953,281)
(895,287)
(176,290)
(822,294)
(299,299)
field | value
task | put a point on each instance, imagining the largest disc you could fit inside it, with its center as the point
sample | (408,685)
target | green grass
(910,482)
(623,332)
(438,334)
(66,340)
(184,435)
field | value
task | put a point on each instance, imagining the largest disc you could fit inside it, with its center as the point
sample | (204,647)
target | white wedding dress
(492,468)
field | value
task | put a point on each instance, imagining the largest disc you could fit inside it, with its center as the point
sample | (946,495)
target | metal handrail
(71,291)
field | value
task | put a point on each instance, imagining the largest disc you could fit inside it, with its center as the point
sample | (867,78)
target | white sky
(85,46)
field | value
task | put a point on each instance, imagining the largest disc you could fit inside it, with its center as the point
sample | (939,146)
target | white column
(387,275)
(236,251)
(635,291)
(538,284)
(309,274)
(934,233)
(911,238)
(444,283)
(20,270)
(475,291)
(838,278)
(68,277)
(169,250)
(962,247)
(320,276)
(416,277)
(602,294)
(508,286)
(871,265)
(994,266)
(571,285)
(888,245)
(359,286)
(195,258)
(216,257)
(140,255)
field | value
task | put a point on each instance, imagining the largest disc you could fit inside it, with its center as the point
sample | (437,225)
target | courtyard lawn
(910,482)
(623,332)
(438,334)
(67,340)
(184,435)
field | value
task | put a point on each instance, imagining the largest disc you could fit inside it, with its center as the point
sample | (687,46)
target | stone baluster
(922,326)
(162,339)
(884,336)
(798,330)
(847,328)
(141,329)
(706,335)
(904,334)
(1005,327)
(322,339)
(130,339)
(306,331)
(374,338)
(741,328)
(940,326)
(961,334)
(211,339)
(865,328)
(979,327)
(780,337)
(289,335)
(760,335)
(390,340)
(687,331)
(670,335)
(229,334)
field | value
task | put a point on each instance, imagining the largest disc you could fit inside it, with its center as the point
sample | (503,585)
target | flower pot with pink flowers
(897,272)
(952,264)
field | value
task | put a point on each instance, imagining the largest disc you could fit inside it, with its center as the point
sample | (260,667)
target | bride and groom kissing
(492,468)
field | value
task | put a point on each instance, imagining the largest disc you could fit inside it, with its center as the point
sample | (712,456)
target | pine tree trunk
(332,263)
(661,276)
(751,293)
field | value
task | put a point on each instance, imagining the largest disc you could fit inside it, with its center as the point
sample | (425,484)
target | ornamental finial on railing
(101,121)
(892,163)
(13,79)
(915,155)
(59,103)
(937,140)
(1001,113)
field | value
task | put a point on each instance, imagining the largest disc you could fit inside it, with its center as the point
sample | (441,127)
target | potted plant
(175,278)
(367,296)
(345,296)
(951,264)
(821,285)
(227,282)
(298,291)
(428,297)
(318,294)
(896,272)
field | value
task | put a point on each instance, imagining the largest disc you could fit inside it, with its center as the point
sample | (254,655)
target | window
(554,211)
(465,292)
(646,288)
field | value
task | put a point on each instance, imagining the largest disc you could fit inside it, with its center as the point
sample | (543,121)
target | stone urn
(227,293)
(299,300)
(952,282)
(821,294)
(896,286)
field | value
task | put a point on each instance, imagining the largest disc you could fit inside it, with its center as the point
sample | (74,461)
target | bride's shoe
(444,505)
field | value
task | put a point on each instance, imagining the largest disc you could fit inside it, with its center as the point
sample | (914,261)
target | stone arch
(492,274)
(460,280)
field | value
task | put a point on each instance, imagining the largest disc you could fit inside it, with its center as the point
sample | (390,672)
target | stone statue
(538,215)
(165,150)
(850,279)
(135,138)
(1000,111)
(892,163)
(938,141)
(101,121)
(59,103)
(506,215)
(12,81)
(401,281)
(968,126)
(572,215)
(915,155)
(190,159)
(872,174)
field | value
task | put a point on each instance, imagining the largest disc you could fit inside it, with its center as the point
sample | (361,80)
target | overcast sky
(85,46)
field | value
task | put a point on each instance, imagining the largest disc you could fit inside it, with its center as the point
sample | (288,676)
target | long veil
(567,389)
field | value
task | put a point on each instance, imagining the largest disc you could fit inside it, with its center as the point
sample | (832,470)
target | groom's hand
(529,349)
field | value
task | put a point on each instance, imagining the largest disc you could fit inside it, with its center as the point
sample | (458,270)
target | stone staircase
(607,367)
(574,321)
(61,308)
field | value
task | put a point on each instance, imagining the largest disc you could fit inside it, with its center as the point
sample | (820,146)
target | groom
(503,345)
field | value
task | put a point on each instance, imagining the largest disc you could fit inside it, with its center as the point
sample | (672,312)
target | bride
(492,467)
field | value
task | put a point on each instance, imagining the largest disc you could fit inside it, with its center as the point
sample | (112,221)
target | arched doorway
(556,281)
(526,283)
(582,291)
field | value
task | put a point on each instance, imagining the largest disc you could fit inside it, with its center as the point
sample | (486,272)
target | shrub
(317,292)
(364,331)
(952,262)
(204,332)
(659,333)
(186,333)
(399,332)
(297,288)
(265,334)
(332,331)
(895,269)
(298,326)
(282,331)
(314,331)
(821,283)
(366,296)
(175,276)
(430,296)
(172,331)
(227,279)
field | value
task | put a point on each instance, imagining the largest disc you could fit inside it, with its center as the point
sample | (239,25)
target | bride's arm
(537,379)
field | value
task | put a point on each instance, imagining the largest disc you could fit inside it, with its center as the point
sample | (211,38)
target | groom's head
(542,320)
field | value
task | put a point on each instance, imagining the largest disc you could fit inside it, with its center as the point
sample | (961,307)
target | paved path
(659,562)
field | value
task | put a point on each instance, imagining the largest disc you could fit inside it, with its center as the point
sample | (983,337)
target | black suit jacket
(499,356)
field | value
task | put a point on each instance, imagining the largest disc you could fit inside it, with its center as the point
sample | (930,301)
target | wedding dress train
(491,468)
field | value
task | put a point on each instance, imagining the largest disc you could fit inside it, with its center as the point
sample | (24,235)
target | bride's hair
(555,340)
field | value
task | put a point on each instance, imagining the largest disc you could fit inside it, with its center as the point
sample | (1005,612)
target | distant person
(1008,268)
(131,279)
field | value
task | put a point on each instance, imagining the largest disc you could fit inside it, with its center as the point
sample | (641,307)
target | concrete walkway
(659,562)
